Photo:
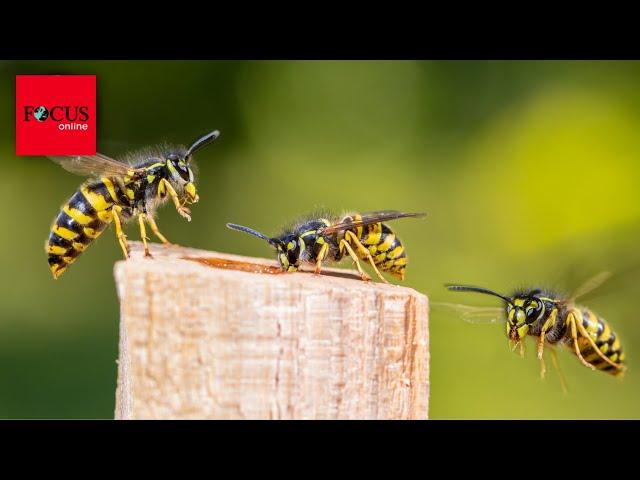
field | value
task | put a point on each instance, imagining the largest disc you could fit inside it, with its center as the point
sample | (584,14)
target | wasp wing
(473,314)
(368,219)
(93,165)
(590,285)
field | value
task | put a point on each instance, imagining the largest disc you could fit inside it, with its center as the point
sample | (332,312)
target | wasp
(316,240)
(119,191)
(554,319)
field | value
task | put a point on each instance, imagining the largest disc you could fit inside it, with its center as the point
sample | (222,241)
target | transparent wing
(370,218)
(93,165)
(473,314)
(590,285)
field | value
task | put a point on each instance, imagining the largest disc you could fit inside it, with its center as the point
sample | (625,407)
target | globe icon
(41,114)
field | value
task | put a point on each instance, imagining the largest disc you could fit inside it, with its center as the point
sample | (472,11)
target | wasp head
(523,311)
(181,176)
(180,168)
(289,247)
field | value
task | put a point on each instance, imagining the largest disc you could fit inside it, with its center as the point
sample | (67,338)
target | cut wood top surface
(194,260)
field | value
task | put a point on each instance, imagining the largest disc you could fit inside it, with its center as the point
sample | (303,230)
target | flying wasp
(553,320)
(119,191)
(361,236)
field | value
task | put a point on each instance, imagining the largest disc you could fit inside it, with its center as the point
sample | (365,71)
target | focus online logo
(67,117)
(55,114)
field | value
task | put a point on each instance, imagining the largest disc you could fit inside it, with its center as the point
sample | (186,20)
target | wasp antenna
(202,142)
(250,231)
(468,288)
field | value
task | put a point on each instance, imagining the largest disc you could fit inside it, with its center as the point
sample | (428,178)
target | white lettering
(73,126)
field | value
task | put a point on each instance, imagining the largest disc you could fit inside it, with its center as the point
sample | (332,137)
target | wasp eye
(533,311)
(182,170)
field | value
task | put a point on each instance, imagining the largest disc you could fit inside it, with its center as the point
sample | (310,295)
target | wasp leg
(364,252)
(543,331)
(122,238)
(182,210)
(143,233)
(355,258)
(543,368)
(547,325)
(156,232)
(556,366)
(572,321)
(321,256)
(584,333)
(513,344)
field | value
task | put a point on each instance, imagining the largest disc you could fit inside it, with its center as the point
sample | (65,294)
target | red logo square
(55,114)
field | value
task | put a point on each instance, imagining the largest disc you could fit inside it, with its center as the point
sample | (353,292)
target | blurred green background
(529,171)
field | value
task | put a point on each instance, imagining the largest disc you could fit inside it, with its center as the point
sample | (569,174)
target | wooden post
(211,335)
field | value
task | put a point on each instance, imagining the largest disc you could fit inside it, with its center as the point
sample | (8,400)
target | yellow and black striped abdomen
(81,220)
(385,247)
(606,341)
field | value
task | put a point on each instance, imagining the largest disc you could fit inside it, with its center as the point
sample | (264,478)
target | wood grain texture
(203,342)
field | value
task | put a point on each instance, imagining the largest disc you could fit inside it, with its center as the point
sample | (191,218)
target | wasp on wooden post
(553,319)
(119,191)
(317,239)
